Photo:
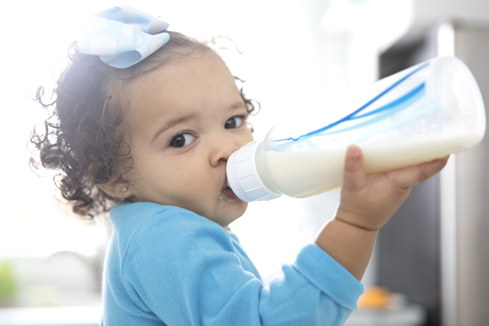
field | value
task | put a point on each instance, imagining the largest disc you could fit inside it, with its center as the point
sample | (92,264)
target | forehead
(180,75)
(191,84)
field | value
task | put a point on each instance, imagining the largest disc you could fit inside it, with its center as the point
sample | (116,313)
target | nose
(222,149)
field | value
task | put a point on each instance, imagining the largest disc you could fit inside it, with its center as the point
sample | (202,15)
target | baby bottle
(422,113)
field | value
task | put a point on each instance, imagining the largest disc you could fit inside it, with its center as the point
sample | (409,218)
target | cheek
(180,172)
(248,137)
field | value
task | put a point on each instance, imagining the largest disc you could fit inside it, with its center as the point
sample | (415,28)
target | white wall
(473,11)
(427,13)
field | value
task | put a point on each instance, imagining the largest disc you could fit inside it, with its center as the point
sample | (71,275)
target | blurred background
(299,59)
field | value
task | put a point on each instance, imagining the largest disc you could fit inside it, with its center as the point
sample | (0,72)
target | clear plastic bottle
(425,112)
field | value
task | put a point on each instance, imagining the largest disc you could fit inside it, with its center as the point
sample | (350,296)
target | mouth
(227,192)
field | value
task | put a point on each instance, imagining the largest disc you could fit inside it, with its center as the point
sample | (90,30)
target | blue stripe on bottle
(385,111)
(382,112)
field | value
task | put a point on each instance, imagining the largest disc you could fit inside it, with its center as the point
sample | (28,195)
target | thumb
(354,174)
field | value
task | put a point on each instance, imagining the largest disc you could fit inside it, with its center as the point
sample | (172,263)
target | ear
(118,188)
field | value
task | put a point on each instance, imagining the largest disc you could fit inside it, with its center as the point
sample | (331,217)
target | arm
(366,204)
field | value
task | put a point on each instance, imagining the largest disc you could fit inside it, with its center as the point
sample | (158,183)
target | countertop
(51,316)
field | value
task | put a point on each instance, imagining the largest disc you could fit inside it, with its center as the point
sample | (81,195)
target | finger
(429,169)
(414,175)
(354,173)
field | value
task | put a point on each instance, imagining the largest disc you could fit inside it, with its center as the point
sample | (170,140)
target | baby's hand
(369,202)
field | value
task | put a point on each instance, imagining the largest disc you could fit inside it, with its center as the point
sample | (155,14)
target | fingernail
(353,152)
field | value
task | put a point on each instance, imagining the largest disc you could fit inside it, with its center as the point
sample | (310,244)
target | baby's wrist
(356,220)
(349,245)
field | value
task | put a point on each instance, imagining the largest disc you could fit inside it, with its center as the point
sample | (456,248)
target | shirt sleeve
(184,269)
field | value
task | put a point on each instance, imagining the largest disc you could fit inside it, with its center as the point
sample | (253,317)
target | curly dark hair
(82,137)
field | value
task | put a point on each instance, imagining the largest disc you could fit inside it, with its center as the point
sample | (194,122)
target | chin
(232,215)
(243,207)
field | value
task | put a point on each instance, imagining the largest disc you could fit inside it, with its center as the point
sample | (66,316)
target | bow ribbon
(122,37)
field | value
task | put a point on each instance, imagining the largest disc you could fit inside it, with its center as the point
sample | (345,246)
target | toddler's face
(183,122)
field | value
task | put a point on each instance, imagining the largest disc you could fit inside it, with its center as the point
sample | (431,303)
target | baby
(144,131)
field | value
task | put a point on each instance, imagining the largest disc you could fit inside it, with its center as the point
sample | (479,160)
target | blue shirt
(169,266)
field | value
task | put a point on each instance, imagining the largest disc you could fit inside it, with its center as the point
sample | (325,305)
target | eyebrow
(238,105)
(172,123)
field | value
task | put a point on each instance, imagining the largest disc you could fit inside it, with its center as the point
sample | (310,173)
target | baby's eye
(182,140)
(234,122)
